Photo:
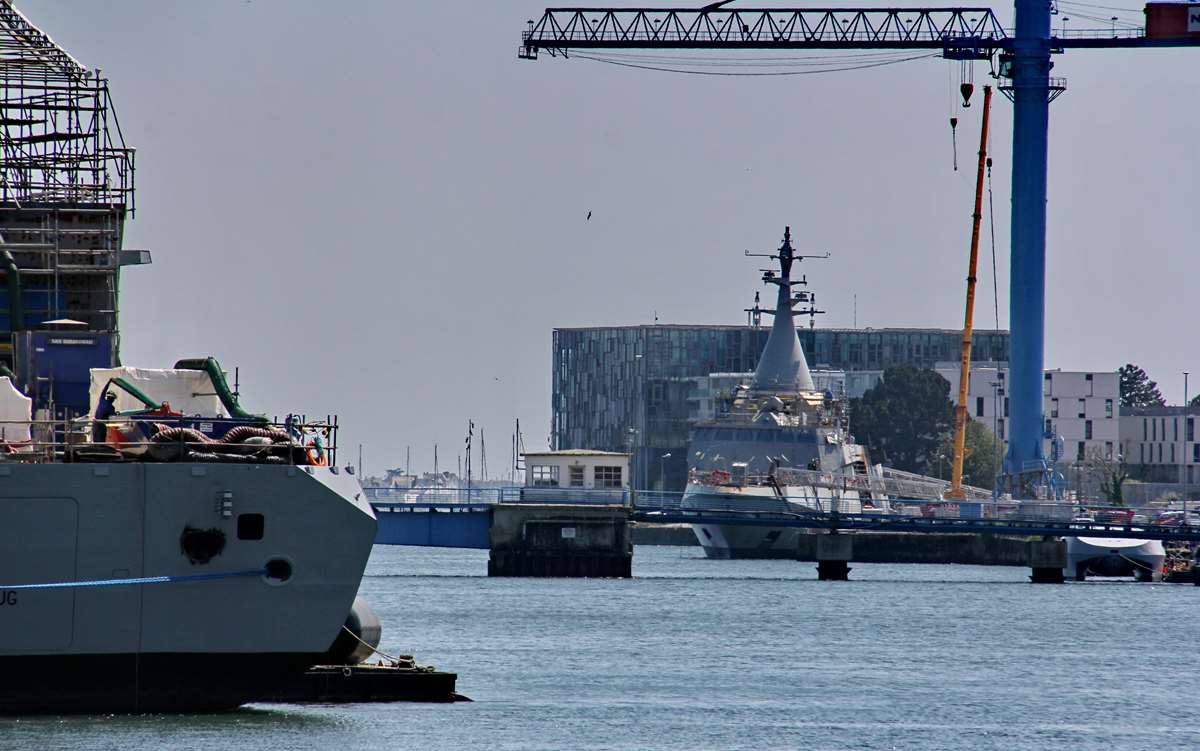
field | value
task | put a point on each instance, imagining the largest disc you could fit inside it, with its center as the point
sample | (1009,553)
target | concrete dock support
(560,541)
(1047,558)
(834,553)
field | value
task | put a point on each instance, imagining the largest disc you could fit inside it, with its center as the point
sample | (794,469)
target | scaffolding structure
(66,187)
(59,133)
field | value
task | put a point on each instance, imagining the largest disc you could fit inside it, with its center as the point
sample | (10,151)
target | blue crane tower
(959,34)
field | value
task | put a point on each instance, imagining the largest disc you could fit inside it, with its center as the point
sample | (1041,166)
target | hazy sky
(376,209)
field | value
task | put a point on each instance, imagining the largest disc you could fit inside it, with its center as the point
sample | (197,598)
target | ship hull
(142,682)
(280,556)
(757,541)
(1104,556)
(727,542)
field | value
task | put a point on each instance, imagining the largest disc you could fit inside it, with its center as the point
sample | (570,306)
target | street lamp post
(1183,465)
(661,461)
(996,433)
(631,442)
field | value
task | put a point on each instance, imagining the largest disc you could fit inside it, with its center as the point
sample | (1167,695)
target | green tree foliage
(901,420)
(1137,390)
(980,459)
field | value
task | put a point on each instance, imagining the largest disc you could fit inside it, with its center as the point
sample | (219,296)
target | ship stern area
(245,575)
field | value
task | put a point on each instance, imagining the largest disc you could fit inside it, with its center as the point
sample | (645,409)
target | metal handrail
(1136,32)
(1084,518)
(58,441)
(448,496)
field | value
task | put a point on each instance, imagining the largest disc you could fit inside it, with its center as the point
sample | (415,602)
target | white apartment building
(1161,443)
(1081,408)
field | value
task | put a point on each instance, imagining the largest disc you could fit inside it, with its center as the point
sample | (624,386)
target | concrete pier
(1047,558)
(834,553)
(560,541)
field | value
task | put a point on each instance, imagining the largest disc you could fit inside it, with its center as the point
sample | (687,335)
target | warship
(781,445)
(158,552)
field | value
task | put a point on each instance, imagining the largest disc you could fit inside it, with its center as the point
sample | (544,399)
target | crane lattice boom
(817,28)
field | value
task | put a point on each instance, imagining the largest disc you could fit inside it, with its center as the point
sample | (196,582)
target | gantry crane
(959,34)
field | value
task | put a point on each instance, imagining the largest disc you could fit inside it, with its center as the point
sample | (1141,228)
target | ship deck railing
(70,441)
(892,483)
(1027,518)
(444,495)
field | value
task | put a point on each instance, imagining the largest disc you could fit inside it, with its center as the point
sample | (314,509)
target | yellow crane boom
(964,376)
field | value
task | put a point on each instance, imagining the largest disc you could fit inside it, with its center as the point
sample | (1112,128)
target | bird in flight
(589,216)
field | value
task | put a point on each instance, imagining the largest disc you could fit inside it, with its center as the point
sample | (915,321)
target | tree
(903,417)
(1137,390)
(1195,402)
(980,457)
(1109,473)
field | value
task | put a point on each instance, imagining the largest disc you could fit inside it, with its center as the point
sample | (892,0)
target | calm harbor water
(698,654)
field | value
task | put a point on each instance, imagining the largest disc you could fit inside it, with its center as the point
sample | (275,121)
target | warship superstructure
(781,445)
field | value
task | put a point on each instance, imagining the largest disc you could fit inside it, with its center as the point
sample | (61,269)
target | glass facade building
(626,388)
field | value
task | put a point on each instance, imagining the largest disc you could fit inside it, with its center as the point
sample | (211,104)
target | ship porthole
(278,571)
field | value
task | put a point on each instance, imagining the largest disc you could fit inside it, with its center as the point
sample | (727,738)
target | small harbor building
(578,469)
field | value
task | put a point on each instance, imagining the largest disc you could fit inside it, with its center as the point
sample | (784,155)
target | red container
(1172,20)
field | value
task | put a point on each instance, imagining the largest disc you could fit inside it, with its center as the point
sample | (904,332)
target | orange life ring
(316,454)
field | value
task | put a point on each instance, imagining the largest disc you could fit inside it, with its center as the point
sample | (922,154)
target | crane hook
(966,89)
(954,140)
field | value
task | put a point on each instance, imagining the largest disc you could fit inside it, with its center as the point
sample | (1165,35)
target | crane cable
(992,229)
(796,59)
(847,67)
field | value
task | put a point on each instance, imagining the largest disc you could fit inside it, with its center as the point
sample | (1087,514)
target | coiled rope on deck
(136,580)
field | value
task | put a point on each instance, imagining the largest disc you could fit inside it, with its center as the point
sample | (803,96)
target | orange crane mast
(964,375)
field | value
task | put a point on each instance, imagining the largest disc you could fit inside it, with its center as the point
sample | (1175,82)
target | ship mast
(782,365)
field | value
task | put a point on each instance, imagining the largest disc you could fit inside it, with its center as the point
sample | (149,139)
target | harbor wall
(560,541)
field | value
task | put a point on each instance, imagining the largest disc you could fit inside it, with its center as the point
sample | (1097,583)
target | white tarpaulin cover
(16,410)
(188,391)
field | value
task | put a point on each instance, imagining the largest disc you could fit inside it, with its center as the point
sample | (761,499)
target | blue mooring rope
(139,580)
